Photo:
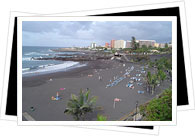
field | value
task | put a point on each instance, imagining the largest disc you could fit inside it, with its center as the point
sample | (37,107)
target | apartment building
(119,44)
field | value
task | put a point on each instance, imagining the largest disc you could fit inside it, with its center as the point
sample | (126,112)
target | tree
(150,47)
(144,47)
(161,75)
(166,45)
(151,82)
(133,42)
(148,81)
(154,82)
(151,64)
(158,109)
(78,106)
(137,45)
(168,64)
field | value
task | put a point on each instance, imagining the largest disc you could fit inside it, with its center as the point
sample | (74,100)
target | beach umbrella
(116,100)
(61,89)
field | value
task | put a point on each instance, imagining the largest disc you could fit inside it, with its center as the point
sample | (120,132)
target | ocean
(32,67)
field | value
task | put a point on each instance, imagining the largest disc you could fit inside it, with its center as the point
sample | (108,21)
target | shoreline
(39,79)
(66,69)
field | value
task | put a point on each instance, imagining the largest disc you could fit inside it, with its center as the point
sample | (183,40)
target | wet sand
(38,90)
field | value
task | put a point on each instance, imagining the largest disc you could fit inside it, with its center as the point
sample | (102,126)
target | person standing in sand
(100,78)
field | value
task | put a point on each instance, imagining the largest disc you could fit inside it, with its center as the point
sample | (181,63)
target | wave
(49,50)
(44,66)
(26,59)
(25,69)
(36,53)
(30,59)
(53,68)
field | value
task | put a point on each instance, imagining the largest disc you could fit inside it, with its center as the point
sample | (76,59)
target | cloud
(82,33)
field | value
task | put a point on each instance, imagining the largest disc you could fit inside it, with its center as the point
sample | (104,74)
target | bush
(101,118)
(158,109)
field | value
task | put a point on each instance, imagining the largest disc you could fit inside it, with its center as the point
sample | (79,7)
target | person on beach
(100,78)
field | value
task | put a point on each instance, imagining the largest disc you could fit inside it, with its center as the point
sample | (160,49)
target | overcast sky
(83,33)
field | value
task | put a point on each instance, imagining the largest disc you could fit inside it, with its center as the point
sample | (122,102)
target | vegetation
(151,82)
(135,45)
(101,118)
(162,65)
(133,42)
(78,106)
(166,45)
(113,51)
(161,75)
(100,48)
(165,49)
(158,109)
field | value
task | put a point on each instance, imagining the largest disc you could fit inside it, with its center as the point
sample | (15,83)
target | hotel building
(112,43)
(93,45)
(128,44)
(119,44)
(106,45)
(146,42)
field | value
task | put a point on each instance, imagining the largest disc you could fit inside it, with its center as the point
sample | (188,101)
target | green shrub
(159,109)
(101,118)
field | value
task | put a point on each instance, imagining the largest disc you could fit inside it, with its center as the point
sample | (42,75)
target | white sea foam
(50,50)
(53,68)
(36,53)
(29,59)
(25,69)
(44,66)
(26,59)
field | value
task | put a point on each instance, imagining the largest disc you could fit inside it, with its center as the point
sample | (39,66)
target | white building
(169,45)
(119,44)
(128,44)
(147,43)
(93,45)
(161,45)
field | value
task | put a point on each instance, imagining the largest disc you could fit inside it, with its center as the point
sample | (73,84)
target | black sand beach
(38,90)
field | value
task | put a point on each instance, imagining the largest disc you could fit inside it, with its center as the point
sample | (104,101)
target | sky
(83,33)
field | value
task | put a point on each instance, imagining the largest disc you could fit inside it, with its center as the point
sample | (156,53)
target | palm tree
(151,82)
(133,42)
(168,64)
(148,81)
(154,83)
(161,75)
(78,106)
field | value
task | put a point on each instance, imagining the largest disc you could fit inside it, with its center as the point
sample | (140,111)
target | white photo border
(105,18)
(7,66)
(14,14)
(154,131)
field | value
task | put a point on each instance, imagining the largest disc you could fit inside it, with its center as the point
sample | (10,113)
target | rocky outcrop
(76,58)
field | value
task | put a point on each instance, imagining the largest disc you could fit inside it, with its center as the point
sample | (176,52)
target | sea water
(34,67)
